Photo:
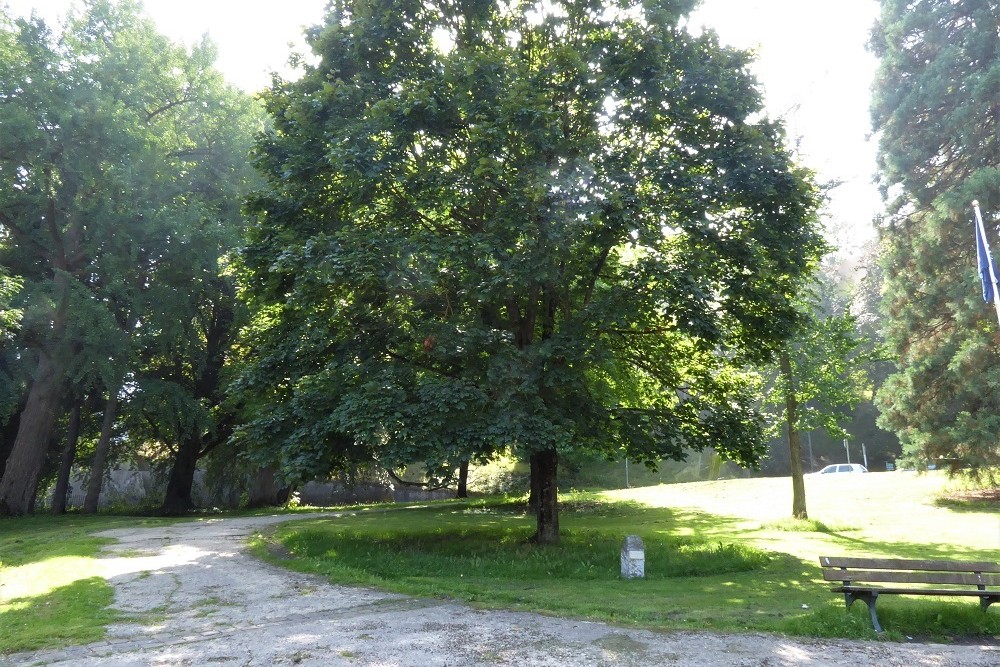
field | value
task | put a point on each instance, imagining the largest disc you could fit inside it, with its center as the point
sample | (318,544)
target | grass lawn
(719,555)
(52,592)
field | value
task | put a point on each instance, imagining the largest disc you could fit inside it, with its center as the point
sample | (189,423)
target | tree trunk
(265,491)
(66,463)
(794,439)
(8,433)
(547,515)
(534,485)
(20,477)
(463,480)
(92,500)
(177,499)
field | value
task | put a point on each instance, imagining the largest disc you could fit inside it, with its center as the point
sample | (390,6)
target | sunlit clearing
(42,577)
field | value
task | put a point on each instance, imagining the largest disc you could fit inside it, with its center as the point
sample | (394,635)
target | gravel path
(198,599)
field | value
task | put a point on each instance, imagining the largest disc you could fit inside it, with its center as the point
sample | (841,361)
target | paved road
(195,597)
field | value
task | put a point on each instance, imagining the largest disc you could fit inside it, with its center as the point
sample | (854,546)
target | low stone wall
(130,488)
(335,493)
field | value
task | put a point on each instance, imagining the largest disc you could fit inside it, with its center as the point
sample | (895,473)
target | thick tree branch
(150,115)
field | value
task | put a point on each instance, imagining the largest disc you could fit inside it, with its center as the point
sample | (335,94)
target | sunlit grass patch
(43,576)
(506,554)
(74,613)
(797,525)
(718,555)
(52,589)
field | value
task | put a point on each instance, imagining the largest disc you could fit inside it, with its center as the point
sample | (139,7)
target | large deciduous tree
(124,160)
(937,107)
(497,225)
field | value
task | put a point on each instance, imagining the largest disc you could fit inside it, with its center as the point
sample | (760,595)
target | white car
(842,467)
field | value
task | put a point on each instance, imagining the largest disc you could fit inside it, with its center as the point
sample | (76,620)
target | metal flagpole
(989,258)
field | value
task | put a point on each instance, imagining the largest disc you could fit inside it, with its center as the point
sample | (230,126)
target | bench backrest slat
(909,564)
(912,577)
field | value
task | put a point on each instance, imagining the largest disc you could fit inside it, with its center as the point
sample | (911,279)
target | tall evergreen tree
(506,225)
(936,108)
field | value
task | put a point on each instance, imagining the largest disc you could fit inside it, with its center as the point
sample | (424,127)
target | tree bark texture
(177,499)
(547,515)
(20,477)
(794,439)
(265,491)
(66,462)
(19,483)
(534,485)
(91,502)
(463,480)
(8,433)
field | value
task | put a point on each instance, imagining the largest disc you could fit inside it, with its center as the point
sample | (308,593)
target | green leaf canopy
(489,225)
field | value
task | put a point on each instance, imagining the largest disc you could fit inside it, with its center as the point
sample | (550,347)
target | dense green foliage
(9,316)
(829,361)
(488,227)
(935,108)
(124,162)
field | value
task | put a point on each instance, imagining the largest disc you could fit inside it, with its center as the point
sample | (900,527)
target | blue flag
(985,262)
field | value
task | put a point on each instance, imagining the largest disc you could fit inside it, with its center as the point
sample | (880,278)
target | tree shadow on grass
(467,554)
(986,501)
(918,550)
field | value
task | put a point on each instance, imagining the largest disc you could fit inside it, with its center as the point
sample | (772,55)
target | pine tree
(937,109)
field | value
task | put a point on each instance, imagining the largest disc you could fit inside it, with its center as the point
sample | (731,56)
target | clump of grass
(483,553)
(505,553)
(592,505)
(903,618)
(702,559)
(792,525)
(976,500)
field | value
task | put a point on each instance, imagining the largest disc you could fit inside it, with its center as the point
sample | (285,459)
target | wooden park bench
(856,576)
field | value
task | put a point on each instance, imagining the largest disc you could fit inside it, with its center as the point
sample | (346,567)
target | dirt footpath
(197,598)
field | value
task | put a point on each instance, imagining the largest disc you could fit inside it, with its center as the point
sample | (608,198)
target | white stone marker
(633,558)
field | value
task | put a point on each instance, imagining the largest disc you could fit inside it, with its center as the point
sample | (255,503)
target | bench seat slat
(916,591)
(909,564)
(922,577)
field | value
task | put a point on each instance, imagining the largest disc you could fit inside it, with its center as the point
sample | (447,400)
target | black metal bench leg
(985,601)
(869,599)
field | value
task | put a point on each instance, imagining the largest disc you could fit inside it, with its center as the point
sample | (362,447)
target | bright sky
(811,60)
